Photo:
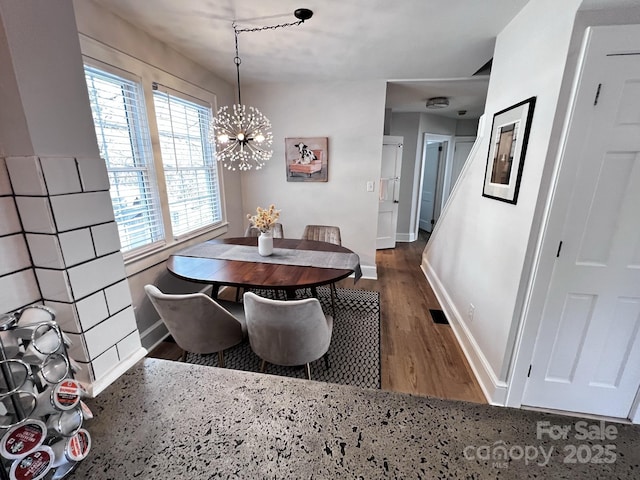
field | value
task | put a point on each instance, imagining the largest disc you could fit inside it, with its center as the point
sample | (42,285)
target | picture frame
(507,150)
(307,159)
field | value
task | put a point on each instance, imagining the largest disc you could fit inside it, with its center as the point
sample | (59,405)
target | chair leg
(308,371)
(183,357)
(326,361)
(263,366)
(221,358)
(238,294)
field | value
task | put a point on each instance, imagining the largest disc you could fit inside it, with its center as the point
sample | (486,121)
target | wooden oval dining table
(251,274)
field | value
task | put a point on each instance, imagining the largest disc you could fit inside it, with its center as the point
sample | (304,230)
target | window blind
(122,130)
(190,169)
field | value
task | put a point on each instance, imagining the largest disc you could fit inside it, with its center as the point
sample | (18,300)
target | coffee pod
(14,375)
(73,449)
(46,339)
(16,407)
(62,396)
(54,368)
(66,423)
(23,439)
(33,466)
(87,414)
(35,314)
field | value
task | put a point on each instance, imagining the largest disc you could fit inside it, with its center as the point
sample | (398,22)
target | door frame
(553,206)
(415,210)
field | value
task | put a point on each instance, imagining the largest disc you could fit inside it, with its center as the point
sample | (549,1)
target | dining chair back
(323,233)
(278,231)
(198,323)
(329,234)
(288,333)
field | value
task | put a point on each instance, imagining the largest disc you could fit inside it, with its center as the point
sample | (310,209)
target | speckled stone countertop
(167,420)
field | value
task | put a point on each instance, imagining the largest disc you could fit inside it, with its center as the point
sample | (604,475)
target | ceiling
(350,40)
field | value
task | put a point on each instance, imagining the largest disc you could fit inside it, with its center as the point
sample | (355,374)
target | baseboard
(154,335)
(93,389)
(369,272)
(406,237)
(494,390)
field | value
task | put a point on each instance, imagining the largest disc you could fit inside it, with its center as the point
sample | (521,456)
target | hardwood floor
(418,356)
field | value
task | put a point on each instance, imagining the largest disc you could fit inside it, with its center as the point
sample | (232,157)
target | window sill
(151,258)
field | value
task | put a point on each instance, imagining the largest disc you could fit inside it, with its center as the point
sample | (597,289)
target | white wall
(477,254)
(351,115)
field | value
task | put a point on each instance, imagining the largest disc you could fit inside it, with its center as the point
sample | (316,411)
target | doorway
(435,154)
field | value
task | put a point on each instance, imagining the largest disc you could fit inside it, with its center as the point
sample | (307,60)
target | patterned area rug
(354,353)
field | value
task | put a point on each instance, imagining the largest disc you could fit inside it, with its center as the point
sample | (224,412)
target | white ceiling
(344,40)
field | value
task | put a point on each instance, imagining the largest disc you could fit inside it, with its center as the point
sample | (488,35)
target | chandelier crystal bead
(243,137)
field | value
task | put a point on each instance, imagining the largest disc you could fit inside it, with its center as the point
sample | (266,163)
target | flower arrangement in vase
(264,220)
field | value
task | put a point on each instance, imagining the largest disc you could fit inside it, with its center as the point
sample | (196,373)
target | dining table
(295,264)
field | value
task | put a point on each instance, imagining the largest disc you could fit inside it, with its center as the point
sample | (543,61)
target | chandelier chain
(268,27)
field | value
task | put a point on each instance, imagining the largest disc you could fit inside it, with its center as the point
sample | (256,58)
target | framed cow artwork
(307,159)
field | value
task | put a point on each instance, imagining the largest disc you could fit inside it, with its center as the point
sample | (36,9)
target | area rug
(354,353)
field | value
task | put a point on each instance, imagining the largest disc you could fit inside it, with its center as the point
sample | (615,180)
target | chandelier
(242,134)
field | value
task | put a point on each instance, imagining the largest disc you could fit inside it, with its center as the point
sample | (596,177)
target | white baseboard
(94,389)
(494,390)
(406,237)
(370,272)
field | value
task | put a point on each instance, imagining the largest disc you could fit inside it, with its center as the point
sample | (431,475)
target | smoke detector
(438,102)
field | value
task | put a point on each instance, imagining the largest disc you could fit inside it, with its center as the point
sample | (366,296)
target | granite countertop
(168,420)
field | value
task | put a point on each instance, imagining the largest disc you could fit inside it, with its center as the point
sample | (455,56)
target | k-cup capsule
(62,396)
(54,368)
(35,314)
(66,423)
(73,449)
(14,376)
(23,439)
(45,339)
(33,466)
(16,407)
(87,414)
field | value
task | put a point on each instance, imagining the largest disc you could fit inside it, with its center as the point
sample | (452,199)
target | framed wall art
(307,159)
(507,149)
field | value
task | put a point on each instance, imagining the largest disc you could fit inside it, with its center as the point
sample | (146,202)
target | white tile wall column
(59,243)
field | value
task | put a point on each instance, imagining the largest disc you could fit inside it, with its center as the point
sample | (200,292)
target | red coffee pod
(23,439)
(33,466)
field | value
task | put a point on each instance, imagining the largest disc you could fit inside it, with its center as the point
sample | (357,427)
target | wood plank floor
(418,356)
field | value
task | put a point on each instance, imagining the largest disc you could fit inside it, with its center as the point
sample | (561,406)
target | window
(188,161)
(190,200)
(124,142)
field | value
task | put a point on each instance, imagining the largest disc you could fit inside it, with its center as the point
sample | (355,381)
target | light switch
(369,186)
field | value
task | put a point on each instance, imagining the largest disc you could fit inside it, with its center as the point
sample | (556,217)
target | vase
(265,243)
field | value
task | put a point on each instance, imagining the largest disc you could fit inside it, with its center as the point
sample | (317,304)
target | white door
(429,182)
(388,192)
(587,354)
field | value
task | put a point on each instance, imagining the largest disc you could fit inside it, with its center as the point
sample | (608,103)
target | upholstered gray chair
(198,323)
(322,233)
(288,333)
(329,234)
(278,231)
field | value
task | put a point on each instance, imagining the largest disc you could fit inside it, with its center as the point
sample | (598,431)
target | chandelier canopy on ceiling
(242,134)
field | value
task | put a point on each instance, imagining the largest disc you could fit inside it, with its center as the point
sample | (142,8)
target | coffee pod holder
(41,412)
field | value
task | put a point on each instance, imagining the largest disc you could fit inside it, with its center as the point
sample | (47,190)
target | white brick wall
(72,239)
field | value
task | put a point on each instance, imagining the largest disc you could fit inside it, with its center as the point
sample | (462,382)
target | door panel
(388,194)
(429,181)
(587,355)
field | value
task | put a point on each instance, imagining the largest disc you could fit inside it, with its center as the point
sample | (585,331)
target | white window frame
(117,62)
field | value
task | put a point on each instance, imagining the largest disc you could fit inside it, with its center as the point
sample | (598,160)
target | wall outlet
(471,311)
(369,186)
